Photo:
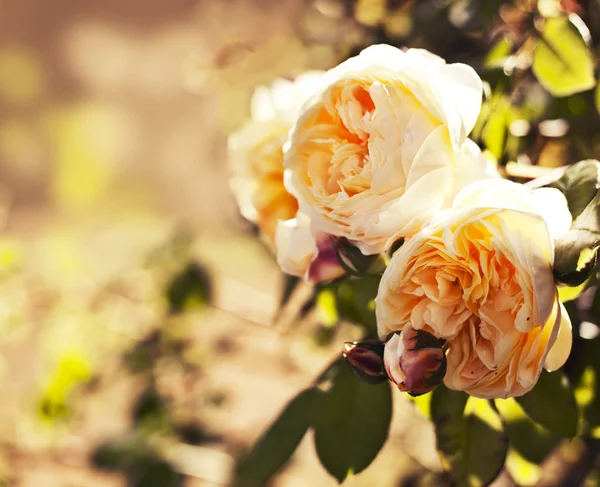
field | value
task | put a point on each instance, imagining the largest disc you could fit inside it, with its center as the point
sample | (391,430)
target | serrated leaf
(562,61)
(277,444)
(551,403)
(463,425)
(352,424)
(579,184)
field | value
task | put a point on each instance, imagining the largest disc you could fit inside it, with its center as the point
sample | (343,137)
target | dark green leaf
(278,443)
(190,288)
(551,403)
(579,184)
(532,441)
(352,424)
(562,61)
(575,251)
(356,301)
(463,425)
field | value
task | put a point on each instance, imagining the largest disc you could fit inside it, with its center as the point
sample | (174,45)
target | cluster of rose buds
(413,359)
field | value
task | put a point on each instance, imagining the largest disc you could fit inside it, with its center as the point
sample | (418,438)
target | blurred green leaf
(73,369)
(140,464)
(579,184)
(290,283)
(551,403)
(277,444)
(562,61)
(462,426)
(496,56)
(597,97)
(352,424)
(496,128)
(189,289)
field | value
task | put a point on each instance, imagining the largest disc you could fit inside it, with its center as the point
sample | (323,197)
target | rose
(256,154)
(480,276)
(306,253)
(382,149)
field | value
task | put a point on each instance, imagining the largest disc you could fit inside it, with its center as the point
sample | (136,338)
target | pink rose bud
(414,360)
(366,360)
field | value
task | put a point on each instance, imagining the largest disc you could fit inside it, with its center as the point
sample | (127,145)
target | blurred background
(140,343)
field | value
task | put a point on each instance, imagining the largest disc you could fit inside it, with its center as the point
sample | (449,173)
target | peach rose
(480,276)
(383,148)
(256,154)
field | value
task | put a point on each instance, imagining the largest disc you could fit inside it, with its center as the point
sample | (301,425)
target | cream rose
(480,276)
(256,154)
(383,148)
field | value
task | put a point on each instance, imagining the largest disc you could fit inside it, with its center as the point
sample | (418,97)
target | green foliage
(352,424)
(355,301)
(189,289)
(562,61)
(532,441)
(579,184)
(73,369)
(138,461)
(463,426)
(575,252)
(551,403)
(278,443)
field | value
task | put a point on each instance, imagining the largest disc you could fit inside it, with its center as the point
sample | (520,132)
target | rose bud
(366,360)
(414,360)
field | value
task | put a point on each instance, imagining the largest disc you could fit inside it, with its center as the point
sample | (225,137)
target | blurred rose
(480,276)
(256,154)
(414,361)
(306,253)
(378,152)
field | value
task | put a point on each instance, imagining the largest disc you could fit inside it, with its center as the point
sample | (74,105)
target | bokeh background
(114,191)
(140,339)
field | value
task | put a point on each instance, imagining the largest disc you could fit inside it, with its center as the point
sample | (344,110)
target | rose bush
(480,276)
(383,148)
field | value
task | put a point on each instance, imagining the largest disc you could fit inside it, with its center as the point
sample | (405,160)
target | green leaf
(575,251)
(579,184)
(278,443)
(562,61)
(551,403)
(498,54)
(532,441)
(352,424)
(496,128)
(189,289)
(463,426)
(356,302)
